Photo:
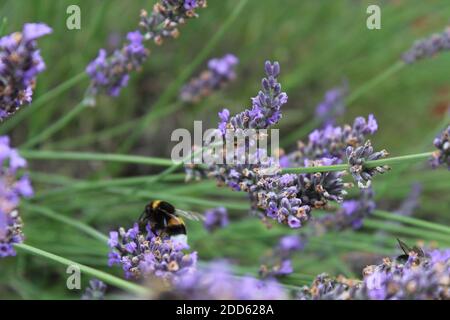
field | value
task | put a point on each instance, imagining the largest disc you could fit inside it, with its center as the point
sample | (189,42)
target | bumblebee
(165,220)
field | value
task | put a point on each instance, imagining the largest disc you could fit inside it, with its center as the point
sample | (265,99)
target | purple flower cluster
(20,63)
(215,219)
(442,155)
(166,17)
(350,215)
(13,186)
(331,142)
(216,282)
(357,158)
(289,198)
(143,254)
(95,291)
(419,278)
(428,47)
(220,72)
(266,106)
(278,262)
(111,73)
(332,106)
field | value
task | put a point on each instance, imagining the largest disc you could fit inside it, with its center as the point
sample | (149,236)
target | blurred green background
(319,44)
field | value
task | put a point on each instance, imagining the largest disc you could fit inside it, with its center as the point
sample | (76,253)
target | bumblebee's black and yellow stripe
(163,219)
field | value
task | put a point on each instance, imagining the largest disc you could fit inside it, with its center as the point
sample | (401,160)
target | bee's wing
(419,251)
(404,247)
(190,215)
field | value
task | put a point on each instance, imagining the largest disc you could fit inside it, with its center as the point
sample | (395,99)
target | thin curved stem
(106,277)
(58,125)
(90,156)
(369,164)
(66,220)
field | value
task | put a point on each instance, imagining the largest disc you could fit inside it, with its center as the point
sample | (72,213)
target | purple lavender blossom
(428,47)
(166,17)
(215,219)
(143,254)
(357,158)
(332,106)
(266,106)
(20,63)
(14,185)
(216,282)
(95,291)
(278,262)
(111,73)
(220,72)
(442,155)
(419,278)
(289,198)
(332,142)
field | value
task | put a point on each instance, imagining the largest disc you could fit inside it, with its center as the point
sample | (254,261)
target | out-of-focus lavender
(215,219)
(419,278)
(428,47)
(143,254)
(220,72)
(20,63)
(166,17)
(357,158)
(411,202)
(350,215)
(442,155)
(331,142)
(332,106)
(216,282)
(95,291)
(109,74)
(14,185)
(278,262)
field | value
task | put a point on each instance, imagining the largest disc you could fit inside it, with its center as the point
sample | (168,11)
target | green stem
(374,82)
(173,88)
(63,219)
(40,102)
(412,221)
(368,164)
(58,125)
(416,232)
(3,26)
(107,278)
(111,157)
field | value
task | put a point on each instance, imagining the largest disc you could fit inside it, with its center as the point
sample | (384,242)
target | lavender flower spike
(428,47)
(13,187)
(220,72)
(166,17)
(442,155)
(333,104)
(216,218)
(95,291)
(20,63)
(356,160)
(111,74)
(143,254)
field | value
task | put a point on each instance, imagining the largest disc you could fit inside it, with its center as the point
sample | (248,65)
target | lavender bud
(442,155)
(357,158)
